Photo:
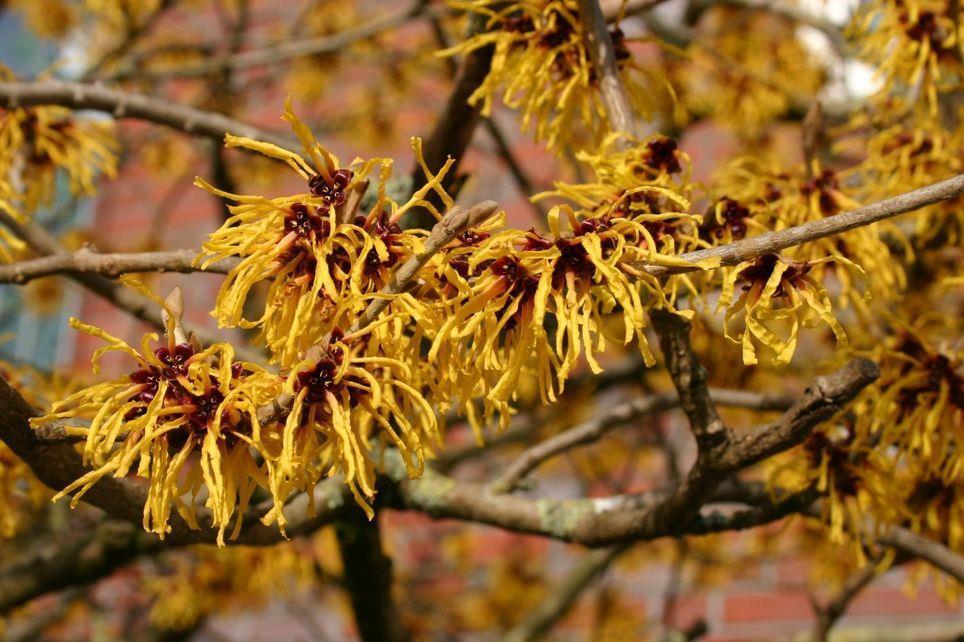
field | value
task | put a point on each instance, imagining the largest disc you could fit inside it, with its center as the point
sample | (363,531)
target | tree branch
(137,304)
(600,46)
(123,104)
(827,396)
(57,465)
(594,429)
(59,561)
(773,242)
(286,50)
(689,377)
(368,579)
(914,545)
(558,604)
(829,613)
(89,261)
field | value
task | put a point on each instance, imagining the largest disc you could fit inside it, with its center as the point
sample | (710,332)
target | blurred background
(455,582)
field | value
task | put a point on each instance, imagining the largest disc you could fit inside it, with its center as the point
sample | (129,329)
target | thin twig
(557,604)
(286,50)
(828,614)
(595,428)
(729,254)
(121,296)
(773,242)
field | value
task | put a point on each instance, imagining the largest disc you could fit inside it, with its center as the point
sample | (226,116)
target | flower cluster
(37,141)
(746,68)
(915,45)
(542,67)
(538,302)
(751,197)
(901,155)
(324,259)
(182,403)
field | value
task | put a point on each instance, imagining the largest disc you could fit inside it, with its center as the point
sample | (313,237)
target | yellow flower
(343,403)
(509,287)
(902,157)
(542,68)
(48,18)
(749,75)
(917,404)
(915,46)
(182,404)
(36,141)
(324,260)
(778,295)
(778,199)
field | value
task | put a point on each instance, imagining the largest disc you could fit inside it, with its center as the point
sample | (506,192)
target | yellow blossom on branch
(778,297)
(184,419)
(37,141)
(915,46)
(542,67)
(323,258)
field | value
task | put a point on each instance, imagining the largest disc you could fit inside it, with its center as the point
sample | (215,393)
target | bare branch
(123,297)
(611,89)
(827,396)
(457,121)
(690,378)
(829,613)
(59,560)
(123,104)
(89,261)
(580,434)
(57,465)
(914,545)
(594,429)
(558,604)
(286,50)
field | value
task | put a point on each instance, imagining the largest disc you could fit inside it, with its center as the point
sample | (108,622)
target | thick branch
(827,396)
(368,579)
(57,465)
(689,377)
(60,561)
(123,104)
(456,123)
